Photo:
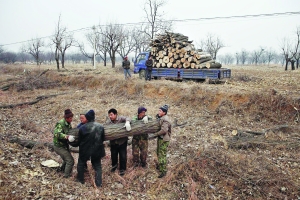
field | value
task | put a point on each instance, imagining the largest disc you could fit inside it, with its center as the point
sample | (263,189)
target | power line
(175,20)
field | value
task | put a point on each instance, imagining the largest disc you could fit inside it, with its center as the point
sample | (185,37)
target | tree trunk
(213,65)
(115,131)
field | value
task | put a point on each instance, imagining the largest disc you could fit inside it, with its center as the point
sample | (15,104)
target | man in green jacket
(163,139)
(60,141)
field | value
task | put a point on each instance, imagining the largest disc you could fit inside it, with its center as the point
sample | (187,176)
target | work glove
(151,136)
(145,119)
(127,126)
(71,138)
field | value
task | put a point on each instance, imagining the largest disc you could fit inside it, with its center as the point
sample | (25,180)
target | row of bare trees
(105,41)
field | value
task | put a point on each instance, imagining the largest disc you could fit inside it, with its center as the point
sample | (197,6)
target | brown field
(206,161)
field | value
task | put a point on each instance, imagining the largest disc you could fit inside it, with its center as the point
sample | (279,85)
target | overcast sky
(22,20)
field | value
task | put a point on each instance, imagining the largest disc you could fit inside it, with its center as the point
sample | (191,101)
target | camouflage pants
(161,152)
(139,150)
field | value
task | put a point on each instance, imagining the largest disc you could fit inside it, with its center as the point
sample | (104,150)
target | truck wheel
(142,74)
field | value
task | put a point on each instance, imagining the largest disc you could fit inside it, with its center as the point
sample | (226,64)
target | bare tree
(127,43)
(62,41)
(226,59)
(237,58)
(286,50)
(296,52)
(270,55)
(256,56)
(113,37)
(244,56)
(141,41)
(8,57)
(155,18)
(212,44)
(34,47)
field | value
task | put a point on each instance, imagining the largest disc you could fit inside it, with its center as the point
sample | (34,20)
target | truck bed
(213,74)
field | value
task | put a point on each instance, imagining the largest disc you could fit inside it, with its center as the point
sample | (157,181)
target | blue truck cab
(139,63)
(179,73)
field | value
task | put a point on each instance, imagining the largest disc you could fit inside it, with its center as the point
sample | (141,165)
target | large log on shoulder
(115,131)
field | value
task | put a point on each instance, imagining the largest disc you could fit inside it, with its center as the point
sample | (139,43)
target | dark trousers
(68,160)
(96,163)
(148,74)
(121,151)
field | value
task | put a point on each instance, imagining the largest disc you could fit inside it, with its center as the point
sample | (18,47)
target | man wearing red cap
(140,142)
(60,141)
(126,67)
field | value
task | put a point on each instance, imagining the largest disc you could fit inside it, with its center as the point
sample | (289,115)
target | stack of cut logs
(174,50)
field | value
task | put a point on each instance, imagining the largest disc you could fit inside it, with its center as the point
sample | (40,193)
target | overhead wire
(172,20)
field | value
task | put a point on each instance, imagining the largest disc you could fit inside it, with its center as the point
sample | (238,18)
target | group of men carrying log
(91,136)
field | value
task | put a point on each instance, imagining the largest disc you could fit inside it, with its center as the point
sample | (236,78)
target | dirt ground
(240,140)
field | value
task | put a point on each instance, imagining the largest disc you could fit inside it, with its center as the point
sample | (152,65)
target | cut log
(169,64)
(213,65)
(193,65)
(178,62)
(166,59)
(182,60)
(174,65)
(186,64)
(116,131)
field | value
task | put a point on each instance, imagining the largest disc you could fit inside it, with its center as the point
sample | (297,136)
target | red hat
(125,57)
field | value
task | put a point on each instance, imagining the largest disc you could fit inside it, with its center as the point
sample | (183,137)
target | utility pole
(94,57)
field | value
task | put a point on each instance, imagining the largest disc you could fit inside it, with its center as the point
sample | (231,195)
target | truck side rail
(181,73)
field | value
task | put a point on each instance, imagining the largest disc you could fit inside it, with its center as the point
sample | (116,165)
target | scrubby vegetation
(241,140)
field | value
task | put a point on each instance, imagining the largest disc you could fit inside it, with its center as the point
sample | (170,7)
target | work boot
(144,165)
(162,174)
(122,172)
(113,169)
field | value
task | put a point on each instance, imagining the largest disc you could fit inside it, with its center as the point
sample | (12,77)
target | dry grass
(201,164)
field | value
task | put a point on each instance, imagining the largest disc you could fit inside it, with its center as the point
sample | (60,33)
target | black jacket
(149,64)
(91,137)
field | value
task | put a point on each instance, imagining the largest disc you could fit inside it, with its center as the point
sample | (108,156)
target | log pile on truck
(174,50)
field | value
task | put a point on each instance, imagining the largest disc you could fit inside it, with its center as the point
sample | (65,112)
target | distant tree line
(113,42)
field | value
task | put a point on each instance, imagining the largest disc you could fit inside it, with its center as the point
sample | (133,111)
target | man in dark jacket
(118,147)
(126,67)
(90,139)
(149,65)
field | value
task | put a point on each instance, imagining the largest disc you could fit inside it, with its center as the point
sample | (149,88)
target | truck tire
(142,74)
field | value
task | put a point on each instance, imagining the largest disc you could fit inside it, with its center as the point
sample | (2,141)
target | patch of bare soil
(241,139)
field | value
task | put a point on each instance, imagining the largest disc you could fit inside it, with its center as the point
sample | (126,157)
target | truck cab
(139,64)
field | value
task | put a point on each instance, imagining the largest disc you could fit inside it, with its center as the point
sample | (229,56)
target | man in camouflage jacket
(163,139)
(140,142)
(60,141)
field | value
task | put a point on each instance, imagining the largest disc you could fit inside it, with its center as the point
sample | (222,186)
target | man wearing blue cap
(140,142)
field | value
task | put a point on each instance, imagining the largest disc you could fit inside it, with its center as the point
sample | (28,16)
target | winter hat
(164,108)
(83,112)
(141,109)
(68,113)
(125,57)
(90,115)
